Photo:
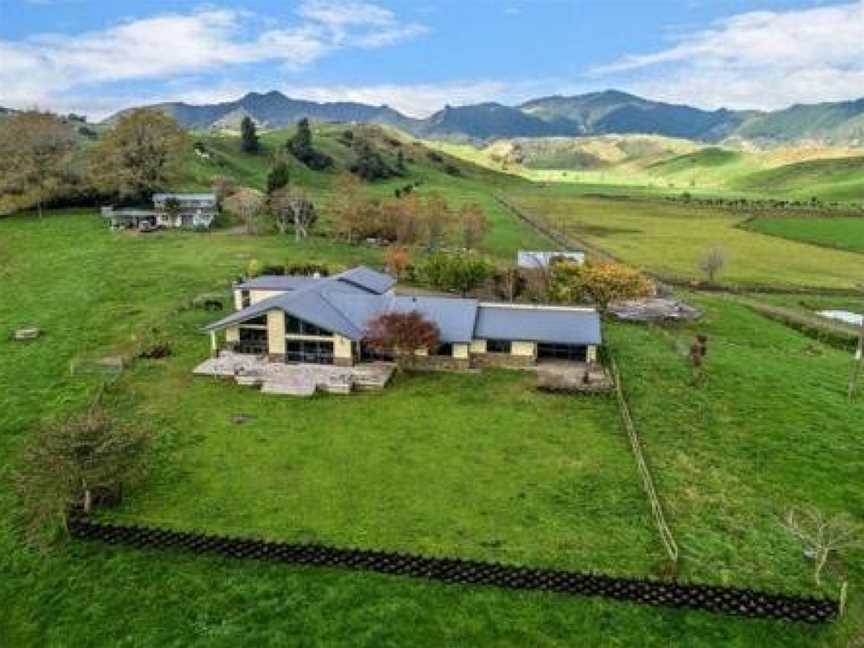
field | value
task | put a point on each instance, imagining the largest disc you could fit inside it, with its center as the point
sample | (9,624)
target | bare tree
(821,535)
(247,204)
(712,262)
(293,209)
(474,225)
(35,151)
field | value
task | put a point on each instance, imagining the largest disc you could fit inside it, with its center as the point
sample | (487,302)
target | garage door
(576,353)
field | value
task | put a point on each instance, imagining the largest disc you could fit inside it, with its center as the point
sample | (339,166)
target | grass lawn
(436,463)
(440,464)
(835,232)
(669,238)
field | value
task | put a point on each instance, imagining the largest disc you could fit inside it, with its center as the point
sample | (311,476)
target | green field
(668,238)
(835,179)
(663,166)
(769,429)
(836,232)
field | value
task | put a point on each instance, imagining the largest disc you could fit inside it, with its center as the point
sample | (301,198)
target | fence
(647,480)
(721,600)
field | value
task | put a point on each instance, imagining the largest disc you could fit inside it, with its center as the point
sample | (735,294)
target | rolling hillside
(458,181)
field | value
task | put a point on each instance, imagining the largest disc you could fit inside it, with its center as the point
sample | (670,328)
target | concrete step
(296,388)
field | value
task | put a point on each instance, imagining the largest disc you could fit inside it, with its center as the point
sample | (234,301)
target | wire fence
(665,532)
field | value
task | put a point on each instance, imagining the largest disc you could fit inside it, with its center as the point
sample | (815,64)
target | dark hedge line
(720,600)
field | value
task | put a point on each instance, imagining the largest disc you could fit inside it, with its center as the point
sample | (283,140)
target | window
(498,346)
(245,300)
(572,352)
(252,341)
(294,326)
(309,352)
(444,350)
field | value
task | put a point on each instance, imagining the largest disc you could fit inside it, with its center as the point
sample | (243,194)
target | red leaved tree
(402,334)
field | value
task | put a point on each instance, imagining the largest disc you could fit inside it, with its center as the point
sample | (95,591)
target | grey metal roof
(538,324)
(455,317)
(340,305)
(375,282)
(159,197)
(278,282)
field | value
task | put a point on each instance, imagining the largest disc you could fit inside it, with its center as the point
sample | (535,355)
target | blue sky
(95,56)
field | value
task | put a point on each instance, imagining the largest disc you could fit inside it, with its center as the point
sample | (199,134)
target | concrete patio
(295,379)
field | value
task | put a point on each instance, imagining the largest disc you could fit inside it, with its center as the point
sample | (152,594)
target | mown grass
(669,238)
(844,233)
(769,429)
(438,464)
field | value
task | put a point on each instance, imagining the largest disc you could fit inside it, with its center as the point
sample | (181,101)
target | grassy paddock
(843,233)
(669,239)
(769,429)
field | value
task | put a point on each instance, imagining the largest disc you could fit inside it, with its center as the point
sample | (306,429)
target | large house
(175,210)
(298,319)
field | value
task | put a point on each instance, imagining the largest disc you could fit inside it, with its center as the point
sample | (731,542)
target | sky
(94,57)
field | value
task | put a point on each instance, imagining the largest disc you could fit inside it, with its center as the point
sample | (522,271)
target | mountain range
(596,113)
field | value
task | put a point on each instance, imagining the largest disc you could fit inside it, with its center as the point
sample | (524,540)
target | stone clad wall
(501,360)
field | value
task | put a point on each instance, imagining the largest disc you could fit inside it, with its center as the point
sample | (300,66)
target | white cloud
(764,59)
(54,69)
(415,100)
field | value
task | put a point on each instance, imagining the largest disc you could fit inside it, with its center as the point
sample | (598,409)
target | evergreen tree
(278,176)
(249,136)
(300,146)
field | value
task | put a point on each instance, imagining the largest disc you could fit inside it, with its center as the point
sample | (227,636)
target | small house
(174,210)
(540,259)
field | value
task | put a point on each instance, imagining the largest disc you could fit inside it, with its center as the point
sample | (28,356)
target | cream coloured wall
(591,353)
(460,351)
(232,334)
(238,300)
(342,348)
(478,346)
(523,348)
(276,332)
(256,296)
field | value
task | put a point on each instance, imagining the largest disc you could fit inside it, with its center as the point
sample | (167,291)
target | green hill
(834,179)
(459,181)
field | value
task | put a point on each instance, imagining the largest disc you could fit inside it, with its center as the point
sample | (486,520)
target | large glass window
(573,352)
(443,350)
(295,326)
(245,299)
(309,352)
(252,341)
(499,346)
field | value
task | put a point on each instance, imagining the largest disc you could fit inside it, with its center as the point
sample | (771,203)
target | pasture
(669,238)
(843,233)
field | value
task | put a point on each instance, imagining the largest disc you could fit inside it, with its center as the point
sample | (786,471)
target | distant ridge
(596,113)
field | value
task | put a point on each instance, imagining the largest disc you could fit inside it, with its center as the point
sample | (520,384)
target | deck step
(295,388)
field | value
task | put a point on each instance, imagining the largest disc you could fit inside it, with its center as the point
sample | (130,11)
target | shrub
(77,463)
(461,272)
(402,333)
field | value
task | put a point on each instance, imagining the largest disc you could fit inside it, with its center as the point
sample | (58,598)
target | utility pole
(858,361)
